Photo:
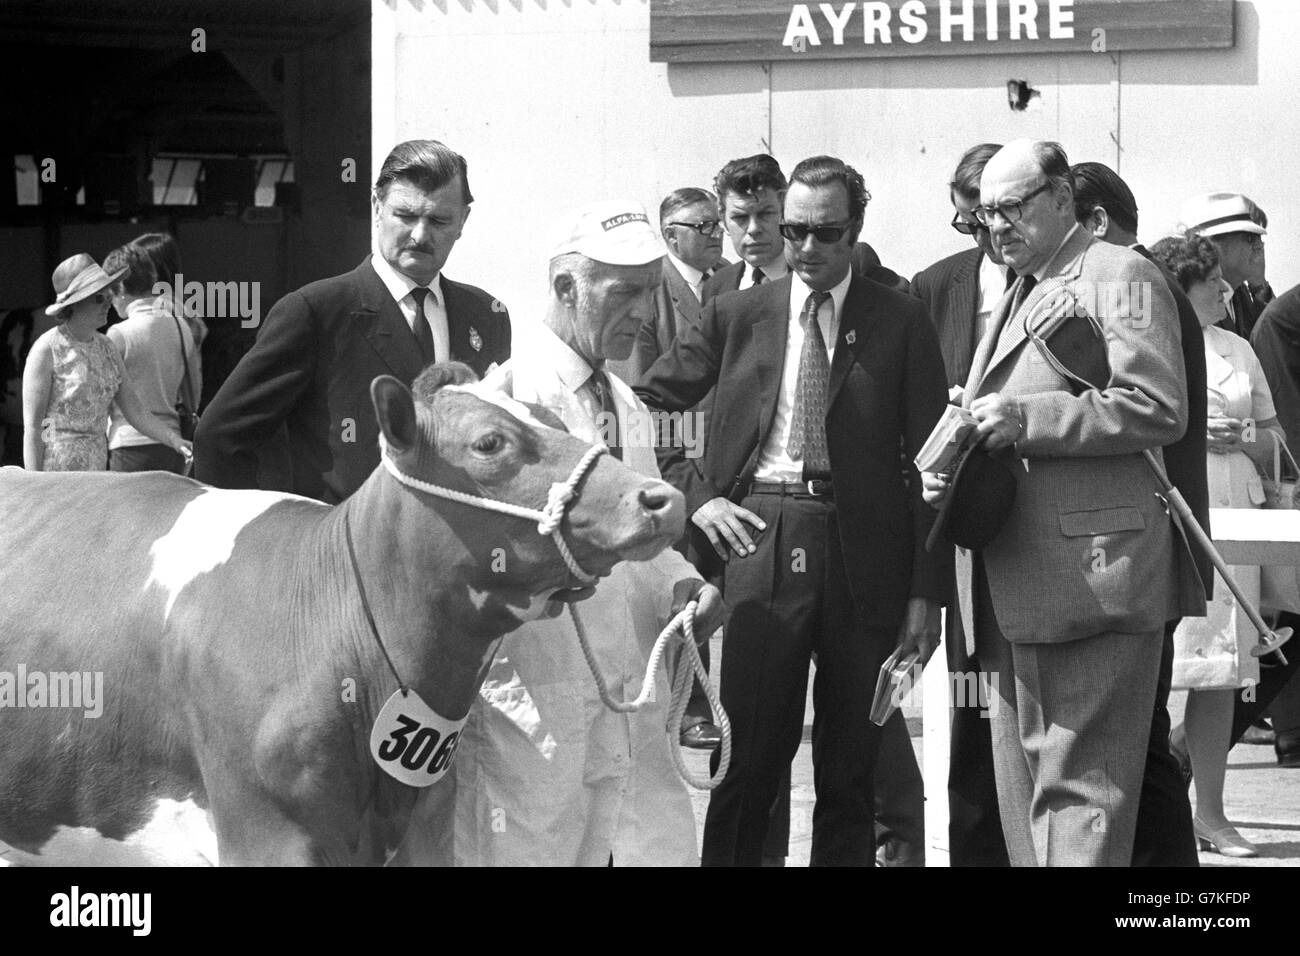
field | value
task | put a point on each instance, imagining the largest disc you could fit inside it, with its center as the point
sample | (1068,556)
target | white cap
(1216,214)
(616,232)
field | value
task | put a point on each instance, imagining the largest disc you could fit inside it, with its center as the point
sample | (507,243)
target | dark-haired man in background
(961,292)
(821,377)
(322,345)
(1105,206)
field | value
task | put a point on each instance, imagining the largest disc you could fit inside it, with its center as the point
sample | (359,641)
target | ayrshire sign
(720,30)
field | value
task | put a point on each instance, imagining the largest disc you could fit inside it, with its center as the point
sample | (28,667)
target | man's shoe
(895,852)
(1259,733)
(1287,748)
(701,736)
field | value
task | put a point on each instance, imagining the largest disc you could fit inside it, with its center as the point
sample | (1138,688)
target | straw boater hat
(79,278)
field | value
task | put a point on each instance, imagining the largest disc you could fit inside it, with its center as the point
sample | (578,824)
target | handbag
(1279,585)
(186,415)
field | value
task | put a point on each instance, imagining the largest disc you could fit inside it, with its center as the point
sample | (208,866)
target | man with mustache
(322,345)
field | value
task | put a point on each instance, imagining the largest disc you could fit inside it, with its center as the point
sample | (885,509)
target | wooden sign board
(708,31)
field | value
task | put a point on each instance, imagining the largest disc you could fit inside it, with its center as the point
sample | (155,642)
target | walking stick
(1270,641)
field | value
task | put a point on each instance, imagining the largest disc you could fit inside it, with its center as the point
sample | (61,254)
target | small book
(950,435)
(895,681)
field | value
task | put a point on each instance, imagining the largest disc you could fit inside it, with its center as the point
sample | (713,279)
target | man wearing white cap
(547,774)
(1236,226)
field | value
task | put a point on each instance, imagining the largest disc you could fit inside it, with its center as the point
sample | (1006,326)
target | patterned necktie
(423,334)
(808,423)
(759,278)
(609,411)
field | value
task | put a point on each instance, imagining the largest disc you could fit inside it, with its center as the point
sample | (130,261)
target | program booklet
(947,441)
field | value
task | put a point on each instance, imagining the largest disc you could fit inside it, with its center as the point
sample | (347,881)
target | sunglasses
(798,232)
(965,226)
(705,227)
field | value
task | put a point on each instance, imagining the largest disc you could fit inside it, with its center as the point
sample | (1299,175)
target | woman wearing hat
(74,375)
(1212,658)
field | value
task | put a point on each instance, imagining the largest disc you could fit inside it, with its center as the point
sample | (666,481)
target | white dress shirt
(775,463)
(776,269)
(435,307)
(993,285)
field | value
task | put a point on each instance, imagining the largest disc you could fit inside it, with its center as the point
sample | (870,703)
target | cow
(240,673)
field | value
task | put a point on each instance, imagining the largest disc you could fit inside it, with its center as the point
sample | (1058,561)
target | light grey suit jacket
(1089,546)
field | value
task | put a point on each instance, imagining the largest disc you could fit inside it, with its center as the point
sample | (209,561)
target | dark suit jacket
(675,307)
(310,370)
(1185,458)
(865,263)
(886,391)
(950,290)
(1276,340)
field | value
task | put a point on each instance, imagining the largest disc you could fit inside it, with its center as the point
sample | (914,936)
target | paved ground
(1262,799)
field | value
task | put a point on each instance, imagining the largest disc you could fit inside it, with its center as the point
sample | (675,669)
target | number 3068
(412,744)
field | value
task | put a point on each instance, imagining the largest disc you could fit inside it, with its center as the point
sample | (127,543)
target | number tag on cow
(411,743)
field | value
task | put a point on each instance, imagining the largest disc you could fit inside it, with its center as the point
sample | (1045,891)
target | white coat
(545,774)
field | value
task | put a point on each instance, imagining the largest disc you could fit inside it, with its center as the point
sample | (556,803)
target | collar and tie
(808,421)
(600,387)
(421,328)
(759,277)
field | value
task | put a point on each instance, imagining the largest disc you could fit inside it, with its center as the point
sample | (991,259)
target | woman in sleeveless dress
(74,375)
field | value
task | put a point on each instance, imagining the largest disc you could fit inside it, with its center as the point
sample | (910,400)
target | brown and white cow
(240,676)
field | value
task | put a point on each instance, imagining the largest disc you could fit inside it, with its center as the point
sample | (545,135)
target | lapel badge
(475,342)
(851,337)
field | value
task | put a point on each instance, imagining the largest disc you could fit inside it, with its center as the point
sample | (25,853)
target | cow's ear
(395,410)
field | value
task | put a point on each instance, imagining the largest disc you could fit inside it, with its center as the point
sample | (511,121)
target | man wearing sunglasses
(1066,604)
(961,293)
(821,378)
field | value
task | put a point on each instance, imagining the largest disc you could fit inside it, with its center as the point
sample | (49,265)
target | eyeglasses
(1010,210)
(965,226)
(798,232)
(705,227)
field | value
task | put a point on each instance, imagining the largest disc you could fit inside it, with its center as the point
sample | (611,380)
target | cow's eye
(489,444)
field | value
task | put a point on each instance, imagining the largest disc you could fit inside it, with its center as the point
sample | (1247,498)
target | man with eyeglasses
(1233,223)
(1066,604)
(961,292)
(820,377)
(692,232)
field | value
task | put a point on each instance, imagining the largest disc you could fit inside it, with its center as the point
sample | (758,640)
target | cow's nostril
(656,499)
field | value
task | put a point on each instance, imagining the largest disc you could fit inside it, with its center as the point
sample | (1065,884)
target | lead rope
(681,627)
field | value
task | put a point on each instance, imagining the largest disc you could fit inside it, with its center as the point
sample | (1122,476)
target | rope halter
(549,519)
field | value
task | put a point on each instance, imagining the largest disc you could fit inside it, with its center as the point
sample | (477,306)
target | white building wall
(555,102)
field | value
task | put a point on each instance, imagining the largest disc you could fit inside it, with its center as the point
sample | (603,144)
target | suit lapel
(384,326)
(961,311)
(770,332)
(458,325)
(856,325)
(683,299)
(1063,268)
